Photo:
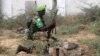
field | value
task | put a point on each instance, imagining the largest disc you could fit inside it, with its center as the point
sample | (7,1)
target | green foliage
(60,20)
(95,27)
(20,20)
(40,46)
(49,16)
(69,29)
(90,14)
(27,43)
(12,23)
(94,45)
(7,23)
(37,45)
(53,43)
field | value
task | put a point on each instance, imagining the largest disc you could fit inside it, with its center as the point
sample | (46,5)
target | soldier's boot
(22,48)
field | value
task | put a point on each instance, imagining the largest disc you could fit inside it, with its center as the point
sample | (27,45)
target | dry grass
(93,44)
(12,35)
(3,49)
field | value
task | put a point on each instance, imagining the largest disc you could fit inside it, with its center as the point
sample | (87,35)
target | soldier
(34,25)
(37,23)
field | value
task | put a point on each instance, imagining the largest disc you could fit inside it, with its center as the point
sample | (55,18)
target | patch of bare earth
(2,55)
(80,35)
(85,35)
(24,54)
(10,43)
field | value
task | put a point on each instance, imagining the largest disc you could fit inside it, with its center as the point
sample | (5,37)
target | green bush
(90,14)
(94,45)
(69,29)
(49,16)
(13,23)
(20,20)
(9,24)
(95,27)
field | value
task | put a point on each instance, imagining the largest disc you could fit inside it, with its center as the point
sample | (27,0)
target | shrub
(95,27)
(94,45)
(90,14)
(69,29)
(49,16)
(13,23)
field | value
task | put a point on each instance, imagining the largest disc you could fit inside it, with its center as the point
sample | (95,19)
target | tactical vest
(38,22)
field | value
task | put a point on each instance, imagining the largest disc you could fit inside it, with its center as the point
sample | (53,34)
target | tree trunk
(54,9)
(54,4)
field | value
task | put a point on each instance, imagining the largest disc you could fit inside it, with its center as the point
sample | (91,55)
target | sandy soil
(12,43)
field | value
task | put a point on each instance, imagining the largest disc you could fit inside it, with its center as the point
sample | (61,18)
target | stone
(70,46)
(22,48)
(26,46)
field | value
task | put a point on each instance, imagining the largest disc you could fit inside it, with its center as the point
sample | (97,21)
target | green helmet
(40,7)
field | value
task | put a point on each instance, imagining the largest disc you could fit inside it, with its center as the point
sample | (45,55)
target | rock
(70,46)
(81,50)
(26,46)
(22,48)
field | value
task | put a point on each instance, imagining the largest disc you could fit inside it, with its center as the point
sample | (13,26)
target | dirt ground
(8,40)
